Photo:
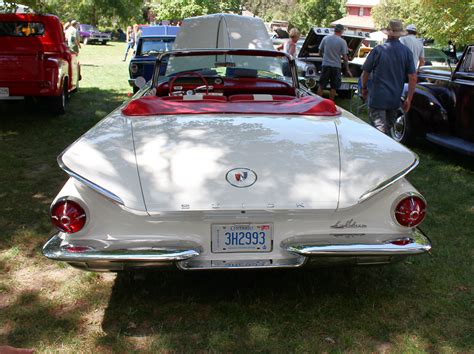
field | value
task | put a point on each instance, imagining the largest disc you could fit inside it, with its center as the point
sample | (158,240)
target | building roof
(352,21)
(369,3)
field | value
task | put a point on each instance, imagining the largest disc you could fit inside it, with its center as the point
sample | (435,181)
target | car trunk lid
(310,47)
(192,162)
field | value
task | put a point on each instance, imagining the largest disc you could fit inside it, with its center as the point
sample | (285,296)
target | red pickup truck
(35,60)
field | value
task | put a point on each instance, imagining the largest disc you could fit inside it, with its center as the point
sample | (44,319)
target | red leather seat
(260,98)
(195,98)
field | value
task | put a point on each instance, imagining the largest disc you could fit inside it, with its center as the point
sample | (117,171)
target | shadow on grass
(31,320)
(31,138)
(356,308)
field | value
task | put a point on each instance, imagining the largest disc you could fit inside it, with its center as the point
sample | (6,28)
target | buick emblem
(241,177)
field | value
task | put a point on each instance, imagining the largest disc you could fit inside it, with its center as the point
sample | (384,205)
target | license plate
(344,87)
(4,92)
(226,238)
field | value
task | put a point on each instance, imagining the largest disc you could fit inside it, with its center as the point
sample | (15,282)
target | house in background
(358,16)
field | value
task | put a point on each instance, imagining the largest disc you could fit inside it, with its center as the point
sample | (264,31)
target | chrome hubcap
(398,129)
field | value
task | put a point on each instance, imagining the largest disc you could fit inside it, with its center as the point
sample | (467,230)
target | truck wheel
(104,43)
(58,103)
(86,40)
(402,129)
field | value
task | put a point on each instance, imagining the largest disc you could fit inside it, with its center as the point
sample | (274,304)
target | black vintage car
(442,107)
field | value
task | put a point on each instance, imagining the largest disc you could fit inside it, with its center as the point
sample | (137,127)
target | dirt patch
(6,328)
(44,278)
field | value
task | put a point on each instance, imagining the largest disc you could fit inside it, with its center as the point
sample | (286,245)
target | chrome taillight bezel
(75,200)
(399,199)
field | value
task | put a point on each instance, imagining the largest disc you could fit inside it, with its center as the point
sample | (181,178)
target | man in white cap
(388,65)
(415,45)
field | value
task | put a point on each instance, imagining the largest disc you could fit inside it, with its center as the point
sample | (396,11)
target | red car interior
(202,104)
(230,86)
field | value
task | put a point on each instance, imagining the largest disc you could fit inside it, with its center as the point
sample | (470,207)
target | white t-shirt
(415,45)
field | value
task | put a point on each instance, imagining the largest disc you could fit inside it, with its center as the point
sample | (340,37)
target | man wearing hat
(332,48)
(415,45)
(388,65)
(72,36)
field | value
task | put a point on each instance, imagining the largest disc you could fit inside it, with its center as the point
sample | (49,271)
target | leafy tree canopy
(96,12)
(441,20)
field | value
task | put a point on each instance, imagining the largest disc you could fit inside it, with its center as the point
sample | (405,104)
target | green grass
(424,304)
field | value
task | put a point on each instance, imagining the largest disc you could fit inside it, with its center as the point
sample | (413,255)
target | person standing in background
(130,42)
(72,37)
(137,33)
(290,45)
(65,28)
(331,49)
(388,64)
(415,45)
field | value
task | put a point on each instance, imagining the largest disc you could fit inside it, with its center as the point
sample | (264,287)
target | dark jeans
(332,75)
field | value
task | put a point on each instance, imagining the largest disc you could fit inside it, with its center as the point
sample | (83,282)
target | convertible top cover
(309,105)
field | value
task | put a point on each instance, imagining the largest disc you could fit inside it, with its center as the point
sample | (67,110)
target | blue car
(154,41)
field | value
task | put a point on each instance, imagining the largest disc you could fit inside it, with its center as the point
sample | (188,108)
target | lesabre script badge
(241,177)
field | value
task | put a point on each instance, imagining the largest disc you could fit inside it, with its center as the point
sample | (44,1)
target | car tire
(58,103)
(402,129)
(86,41)
(104,43)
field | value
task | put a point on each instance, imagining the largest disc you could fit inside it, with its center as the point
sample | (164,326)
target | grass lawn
(424,304)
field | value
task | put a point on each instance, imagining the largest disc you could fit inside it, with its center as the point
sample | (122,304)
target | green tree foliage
(441,20)
(97,12)
(308,13)
(178,9)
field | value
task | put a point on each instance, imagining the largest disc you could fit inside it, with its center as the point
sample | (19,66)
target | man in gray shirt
(415,45)
(332,48)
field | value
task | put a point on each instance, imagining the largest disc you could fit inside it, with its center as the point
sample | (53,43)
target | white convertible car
(223,162)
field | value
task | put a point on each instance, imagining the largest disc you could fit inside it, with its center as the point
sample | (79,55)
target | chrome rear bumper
(303,246)
(168,252)
(302,251)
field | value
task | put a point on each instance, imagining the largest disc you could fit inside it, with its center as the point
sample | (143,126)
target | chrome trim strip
(53,249)
(192,264)
(421,244)
(387,183)
(88,183)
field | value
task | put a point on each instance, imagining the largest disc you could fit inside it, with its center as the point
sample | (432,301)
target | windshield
(230,65)
(435,55)
(88,28)
(154,46)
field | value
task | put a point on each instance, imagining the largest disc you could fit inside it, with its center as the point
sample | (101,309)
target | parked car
(35,60)
(435,57)
(442,107)
(310,61)
(224,162)
(90,34)
(154,41)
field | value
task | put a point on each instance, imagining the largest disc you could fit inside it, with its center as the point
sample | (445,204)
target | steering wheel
(188,73)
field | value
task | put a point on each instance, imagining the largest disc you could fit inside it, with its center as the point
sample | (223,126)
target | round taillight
(134,68)
(410,211)
(68,216)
